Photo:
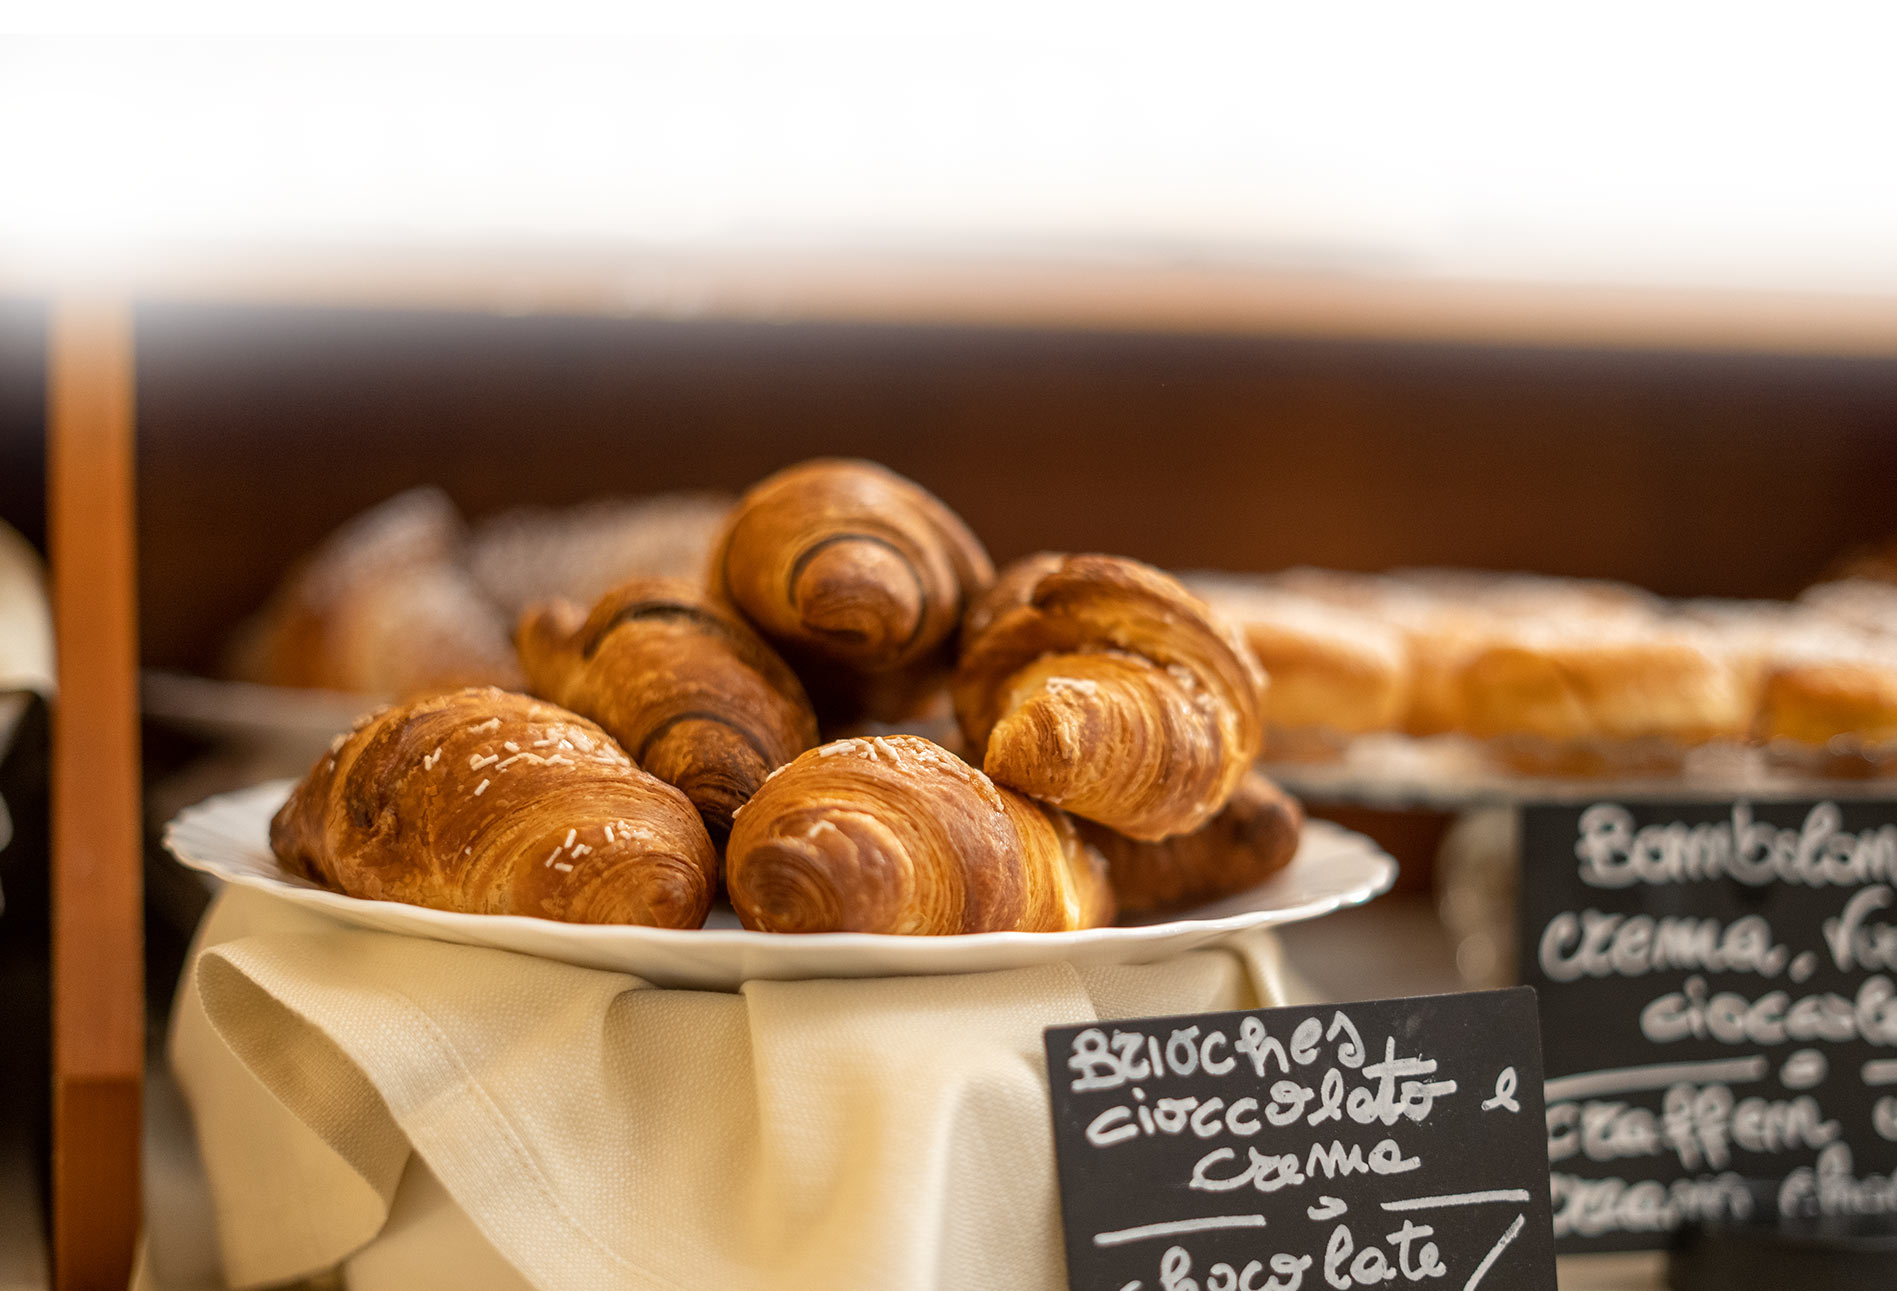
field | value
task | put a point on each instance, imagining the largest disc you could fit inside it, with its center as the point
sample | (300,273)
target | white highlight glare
(1679,143)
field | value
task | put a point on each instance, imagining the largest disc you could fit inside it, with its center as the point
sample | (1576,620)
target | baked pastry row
(1565,661)
(405,598)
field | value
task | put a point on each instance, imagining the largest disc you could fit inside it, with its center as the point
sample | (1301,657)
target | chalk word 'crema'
(1268,1172)
(1596,944)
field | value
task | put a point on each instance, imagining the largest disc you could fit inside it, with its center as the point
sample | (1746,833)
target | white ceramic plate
(228,836)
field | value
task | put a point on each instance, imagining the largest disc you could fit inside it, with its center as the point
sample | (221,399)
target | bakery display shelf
(244,712)
(1451,774)
(96,805)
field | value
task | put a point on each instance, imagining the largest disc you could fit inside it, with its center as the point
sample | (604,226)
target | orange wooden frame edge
(97,890)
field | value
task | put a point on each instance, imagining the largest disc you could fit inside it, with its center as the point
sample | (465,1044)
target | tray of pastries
(1450,686)
(850,747)
(1327,868)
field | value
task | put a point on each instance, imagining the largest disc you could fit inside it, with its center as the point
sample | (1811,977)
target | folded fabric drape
(26,643)
(26,619)
(408,1109)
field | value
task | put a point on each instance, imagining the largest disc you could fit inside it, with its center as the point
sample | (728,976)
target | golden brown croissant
(489,802)
(849,565)
(895,834)
(686,688)
(1101,685)
(1245,844)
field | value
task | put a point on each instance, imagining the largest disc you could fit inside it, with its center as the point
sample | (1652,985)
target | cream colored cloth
(596,1133)
(26,618)
(26,643)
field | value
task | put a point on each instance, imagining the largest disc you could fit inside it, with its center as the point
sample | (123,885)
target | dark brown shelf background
(261,428)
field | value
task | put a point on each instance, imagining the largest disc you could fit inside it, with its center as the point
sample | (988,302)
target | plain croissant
(894,834)
(1101,685)
(489,802)
(854,572)
(695,696)
(1254,837)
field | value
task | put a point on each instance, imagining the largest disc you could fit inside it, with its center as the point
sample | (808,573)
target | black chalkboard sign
(1383,1144)
(1719,1021)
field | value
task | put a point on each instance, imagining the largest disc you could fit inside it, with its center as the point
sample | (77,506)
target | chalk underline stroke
(1495,1253)
(1121,1236)
(1627,1079)
(1880,1072)
(1459,1199)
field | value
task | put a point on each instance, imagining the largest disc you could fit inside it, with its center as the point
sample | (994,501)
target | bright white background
(1658,143)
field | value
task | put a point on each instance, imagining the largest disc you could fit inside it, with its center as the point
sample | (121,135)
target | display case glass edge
(1231,293)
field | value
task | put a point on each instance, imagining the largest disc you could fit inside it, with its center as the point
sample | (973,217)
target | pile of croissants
(671,744)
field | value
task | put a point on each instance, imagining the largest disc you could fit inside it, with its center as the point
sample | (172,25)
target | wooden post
(97,928)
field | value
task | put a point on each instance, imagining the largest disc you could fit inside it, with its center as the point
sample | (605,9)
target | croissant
(684,686)
(1101,685)
(850,566)
(384,606)
(894,834)
(1253,838)
(488,802)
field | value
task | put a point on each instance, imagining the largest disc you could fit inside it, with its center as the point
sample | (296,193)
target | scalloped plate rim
(933,955)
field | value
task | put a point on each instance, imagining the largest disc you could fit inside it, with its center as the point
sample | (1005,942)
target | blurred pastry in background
(404,599)
(1601,680)
(1752,638)
(1334,670)
(1876,562)
(1569,676)
(1512,597)
(1843,701)
(1862,604)
(384,606)
(1486,652)
(579,553)
(1829,683)
(1481,652)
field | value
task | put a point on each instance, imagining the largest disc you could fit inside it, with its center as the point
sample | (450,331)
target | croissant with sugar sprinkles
(691,692)
(1103,686)
(488,802)
(894,834)
(851,570)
